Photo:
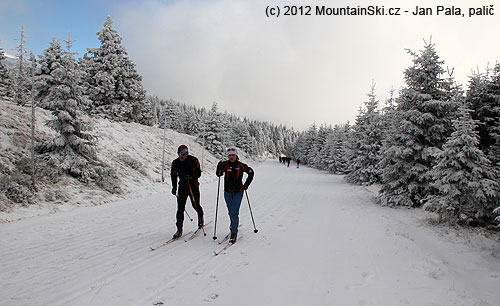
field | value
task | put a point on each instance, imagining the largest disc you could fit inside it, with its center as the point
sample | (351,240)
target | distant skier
(288,161)
(187,168)
(298,163)
(233,170)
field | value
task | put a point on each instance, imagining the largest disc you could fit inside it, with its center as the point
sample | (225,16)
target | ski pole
(216,210)
(185,211)
(255,230)
(197,207)
(188,215)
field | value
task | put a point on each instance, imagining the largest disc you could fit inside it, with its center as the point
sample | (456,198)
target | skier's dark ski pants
(184,194)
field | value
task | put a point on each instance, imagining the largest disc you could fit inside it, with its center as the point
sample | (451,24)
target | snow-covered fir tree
(21,77)
(364,149)
(114,86)
(58,89)
(319,150)
(467,186)
(278,139)
(484,96)
(213,131)
(336,146)
(171,117)
(246,141)
(191,119)
(304,147)
(5,81)
(424,111)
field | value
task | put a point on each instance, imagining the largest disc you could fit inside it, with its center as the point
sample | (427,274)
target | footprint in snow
(367,276)
(211,297)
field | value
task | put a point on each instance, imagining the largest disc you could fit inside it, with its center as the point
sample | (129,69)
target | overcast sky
(292,70)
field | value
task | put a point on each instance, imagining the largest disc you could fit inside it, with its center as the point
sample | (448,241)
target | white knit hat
(232,150)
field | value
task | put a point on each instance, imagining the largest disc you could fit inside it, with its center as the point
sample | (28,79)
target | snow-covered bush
(132,163)
(16,184)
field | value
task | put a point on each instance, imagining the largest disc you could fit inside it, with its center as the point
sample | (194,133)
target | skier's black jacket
(233,175)
(188,171)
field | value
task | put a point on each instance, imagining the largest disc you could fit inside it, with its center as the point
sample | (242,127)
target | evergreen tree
(114,86)
(366,143)
(171,116)
(319,151)
(242,139)
(213,132)
(336,146)
(310,139)
(59,90)
(4,77)
(21,85)
(484,96)
(468,190)
(192,121)
(425,111)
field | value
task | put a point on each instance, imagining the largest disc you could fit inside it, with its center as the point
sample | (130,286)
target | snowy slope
(321,241)
(134,151)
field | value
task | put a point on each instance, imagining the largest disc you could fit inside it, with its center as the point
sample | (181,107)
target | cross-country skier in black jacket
(233,170)
(187,168)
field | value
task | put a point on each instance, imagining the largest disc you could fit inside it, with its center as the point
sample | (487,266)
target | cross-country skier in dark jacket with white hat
(233,170)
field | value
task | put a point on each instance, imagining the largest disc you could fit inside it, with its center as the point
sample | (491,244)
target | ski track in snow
(321,241)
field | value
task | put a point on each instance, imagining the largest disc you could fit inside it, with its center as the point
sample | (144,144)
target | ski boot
(201,222)
(232,239)
(177,234)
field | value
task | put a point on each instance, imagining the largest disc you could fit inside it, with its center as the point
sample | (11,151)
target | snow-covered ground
(134,151)
(321,241)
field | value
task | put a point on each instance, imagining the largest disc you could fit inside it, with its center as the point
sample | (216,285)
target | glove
(219,171)
(174,191)
(187,178)
(245,186)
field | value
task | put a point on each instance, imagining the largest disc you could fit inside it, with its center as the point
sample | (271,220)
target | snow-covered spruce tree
(319,151)
(468,190)
(336,147)
(497,211)
(114,86)
(366,142)
(21,78)
(484,96)
(261,133)
(424,111)
(278,139)
(5,81)
(58,84)
(213,130)
(171,116)
(306,146)
(190,119)
(242,137)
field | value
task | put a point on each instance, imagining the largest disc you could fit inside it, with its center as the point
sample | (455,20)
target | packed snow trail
(321,241)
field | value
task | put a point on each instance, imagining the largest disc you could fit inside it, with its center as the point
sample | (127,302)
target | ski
(225,239)
(197,231)
(225,247)
(169,241)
